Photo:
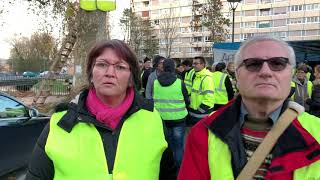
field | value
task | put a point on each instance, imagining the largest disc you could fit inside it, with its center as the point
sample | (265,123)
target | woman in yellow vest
(109,131)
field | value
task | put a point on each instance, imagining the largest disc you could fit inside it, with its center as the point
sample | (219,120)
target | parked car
(20,127)
(30,74)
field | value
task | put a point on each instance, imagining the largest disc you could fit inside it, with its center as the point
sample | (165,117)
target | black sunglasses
(274,63)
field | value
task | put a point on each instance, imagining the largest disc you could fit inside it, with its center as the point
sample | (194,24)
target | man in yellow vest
(171,100)
(223,91)
(201,99)
(219,146)
(187,74)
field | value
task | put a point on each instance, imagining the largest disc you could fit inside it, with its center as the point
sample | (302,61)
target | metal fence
(54,85)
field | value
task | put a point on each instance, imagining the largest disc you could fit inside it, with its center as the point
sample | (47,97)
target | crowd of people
(131,121)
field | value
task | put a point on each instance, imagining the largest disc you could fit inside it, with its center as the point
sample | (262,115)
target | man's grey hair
(238,58)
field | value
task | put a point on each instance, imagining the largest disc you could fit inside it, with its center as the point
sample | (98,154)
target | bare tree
(139,33)
(208,14)
(168,25)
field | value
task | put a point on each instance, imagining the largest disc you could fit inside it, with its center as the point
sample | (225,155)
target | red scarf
(105,114)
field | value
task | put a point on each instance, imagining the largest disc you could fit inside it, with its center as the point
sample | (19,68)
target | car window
(10,108)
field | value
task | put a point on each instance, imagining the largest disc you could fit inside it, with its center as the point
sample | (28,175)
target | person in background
(158,68)
(187,74)
(219,146)
(146,71)
(109,131)
(223,91)
(232,75)
(213,67)
(303,87)
(201,99)
(140,65)
(187,66)
(314,102)
(179,70)
(171,99)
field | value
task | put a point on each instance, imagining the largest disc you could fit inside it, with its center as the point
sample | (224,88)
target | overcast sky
(18,22)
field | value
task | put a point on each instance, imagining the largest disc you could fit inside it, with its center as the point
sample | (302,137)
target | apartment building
(286,19)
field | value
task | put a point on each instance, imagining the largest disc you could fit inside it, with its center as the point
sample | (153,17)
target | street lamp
(233,5)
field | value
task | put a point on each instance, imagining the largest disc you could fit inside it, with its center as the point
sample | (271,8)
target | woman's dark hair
(123,51)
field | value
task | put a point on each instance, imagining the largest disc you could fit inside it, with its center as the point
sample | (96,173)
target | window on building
(145,13)
(197,39)
(312,32)
(146,3)
(207,39)
(265,12)
(310,7)
(176,40)
(296,8)
(155,2)
(196,49)
(163,52)
(163,41)
(281,34)
(250,1)
(295,21)
(265,1)
(185,19)
(155,12)
(279,22)
(137,5)
(186,9)
(246,36)
(314,19)
(175,50)
(250,13)
(280,10)
(264,24)
(295,33)
(248,24)
(185,40)
(197,29)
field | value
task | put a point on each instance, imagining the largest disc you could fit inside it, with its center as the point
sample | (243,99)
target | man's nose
(265,68)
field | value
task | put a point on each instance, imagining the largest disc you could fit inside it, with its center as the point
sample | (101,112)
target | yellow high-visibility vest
(103,5)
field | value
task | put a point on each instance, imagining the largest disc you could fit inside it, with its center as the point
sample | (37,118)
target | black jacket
(41,167)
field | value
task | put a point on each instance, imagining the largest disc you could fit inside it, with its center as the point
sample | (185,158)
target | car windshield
(11,108)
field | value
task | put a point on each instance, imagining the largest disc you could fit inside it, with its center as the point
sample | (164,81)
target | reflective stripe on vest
(220,92)
(106,5)
(80,153)
(219,156)
(309,89)
(103,5)
(169,100)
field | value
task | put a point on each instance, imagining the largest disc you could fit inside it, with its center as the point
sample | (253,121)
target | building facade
(289,20)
